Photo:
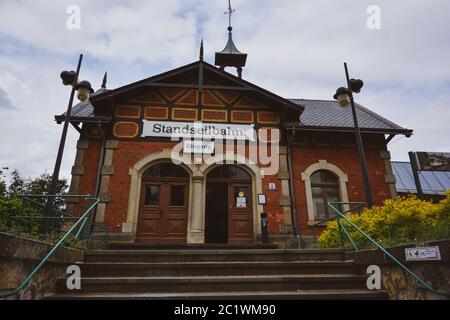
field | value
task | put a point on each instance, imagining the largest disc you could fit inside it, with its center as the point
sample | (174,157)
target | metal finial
(229,12)
(201,50)
(105,78)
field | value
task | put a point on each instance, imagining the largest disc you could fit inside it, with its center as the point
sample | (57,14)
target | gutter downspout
(292,190)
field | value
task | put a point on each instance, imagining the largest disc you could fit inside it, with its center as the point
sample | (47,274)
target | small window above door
(165,170)
(229,172)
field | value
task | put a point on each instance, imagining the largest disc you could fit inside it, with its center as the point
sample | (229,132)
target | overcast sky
(295,49)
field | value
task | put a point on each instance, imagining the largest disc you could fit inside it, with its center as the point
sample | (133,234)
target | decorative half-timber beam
(76,126)
(388,139)
(193,86)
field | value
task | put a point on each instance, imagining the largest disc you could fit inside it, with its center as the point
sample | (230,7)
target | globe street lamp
(344,97)
(69,78)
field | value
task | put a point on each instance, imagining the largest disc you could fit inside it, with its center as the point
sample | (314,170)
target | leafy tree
(17,185)
(12,206)
(39,185)
(3,189)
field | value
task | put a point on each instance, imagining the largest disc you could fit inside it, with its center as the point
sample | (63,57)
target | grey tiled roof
(316,113)
(327,113)
(83,110)
(432,182)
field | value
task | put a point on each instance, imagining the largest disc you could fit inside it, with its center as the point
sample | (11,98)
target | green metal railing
(80,228)
(343,230)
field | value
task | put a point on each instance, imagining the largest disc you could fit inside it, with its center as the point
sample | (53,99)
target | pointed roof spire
(105,79)
(230,56)
(229,12)
(201,51)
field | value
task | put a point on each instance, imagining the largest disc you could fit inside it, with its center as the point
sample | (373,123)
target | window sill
(315,222)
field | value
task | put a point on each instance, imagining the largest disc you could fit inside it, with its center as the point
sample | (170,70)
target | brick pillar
(285,199)
(107,171)
(77,172)
(389,177)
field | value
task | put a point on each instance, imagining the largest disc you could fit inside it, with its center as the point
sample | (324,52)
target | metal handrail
(27,197)
(319,223)
(340,215)
(83,220)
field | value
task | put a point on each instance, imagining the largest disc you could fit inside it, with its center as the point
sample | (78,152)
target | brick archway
(136,171)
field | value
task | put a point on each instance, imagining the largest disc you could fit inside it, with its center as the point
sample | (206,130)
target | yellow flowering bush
(406,219)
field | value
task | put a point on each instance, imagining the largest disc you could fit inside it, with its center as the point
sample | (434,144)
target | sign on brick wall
(198,130)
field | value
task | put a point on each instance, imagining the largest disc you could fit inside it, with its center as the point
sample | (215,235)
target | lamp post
(344,96)
(84,89)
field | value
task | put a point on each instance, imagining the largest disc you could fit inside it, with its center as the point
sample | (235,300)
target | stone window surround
(306,178)
(197,186)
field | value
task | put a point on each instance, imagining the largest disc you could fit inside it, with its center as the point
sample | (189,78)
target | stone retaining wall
(19,256)
(398,283)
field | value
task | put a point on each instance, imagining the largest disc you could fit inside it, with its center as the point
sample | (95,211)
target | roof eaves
(61,118)
(297,126)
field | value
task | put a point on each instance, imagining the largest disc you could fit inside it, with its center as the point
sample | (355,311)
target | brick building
(284,158)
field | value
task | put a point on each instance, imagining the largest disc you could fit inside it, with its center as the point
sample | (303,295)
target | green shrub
(13,207)
(406,219)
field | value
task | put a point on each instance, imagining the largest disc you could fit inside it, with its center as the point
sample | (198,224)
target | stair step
(121,245)
(352,294)
(211,255)
(143,269)
(218,273)
(218,283)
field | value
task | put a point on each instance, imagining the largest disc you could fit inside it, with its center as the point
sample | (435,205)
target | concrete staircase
(218,274)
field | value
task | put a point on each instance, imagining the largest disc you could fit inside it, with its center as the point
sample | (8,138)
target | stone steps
(343,294)
(144,269)
(211,255)
(244,274)
(218,283)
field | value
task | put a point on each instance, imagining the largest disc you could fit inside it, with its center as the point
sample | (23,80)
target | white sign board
(422,253)
(261,199)
(198,130)
(241,202)
(204,147)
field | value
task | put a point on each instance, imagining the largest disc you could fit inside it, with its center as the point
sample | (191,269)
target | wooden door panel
(163,218)
(240,213)
(150,213)
(241,226)
(175,217)
(150,229)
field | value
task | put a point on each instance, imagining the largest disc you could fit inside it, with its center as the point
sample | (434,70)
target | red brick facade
(127,149)
(346,158)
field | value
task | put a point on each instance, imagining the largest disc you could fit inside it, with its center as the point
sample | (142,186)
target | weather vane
(229,12)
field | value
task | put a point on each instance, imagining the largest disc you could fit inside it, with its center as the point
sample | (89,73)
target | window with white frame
(324,182)
(324,189)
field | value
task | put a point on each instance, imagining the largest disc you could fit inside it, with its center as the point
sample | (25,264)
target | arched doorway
(228,211)
(163,206)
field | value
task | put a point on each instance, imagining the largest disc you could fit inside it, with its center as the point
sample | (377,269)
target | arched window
(165,170)
(229,172)
(325,189)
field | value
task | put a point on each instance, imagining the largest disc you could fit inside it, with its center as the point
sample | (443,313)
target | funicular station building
(197,156)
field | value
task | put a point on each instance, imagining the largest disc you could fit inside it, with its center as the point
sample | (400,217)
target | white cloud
(4,100)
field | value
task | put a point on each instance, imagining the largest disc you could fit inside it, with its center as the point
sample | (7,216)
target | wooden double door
(229,207)
(163,211)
